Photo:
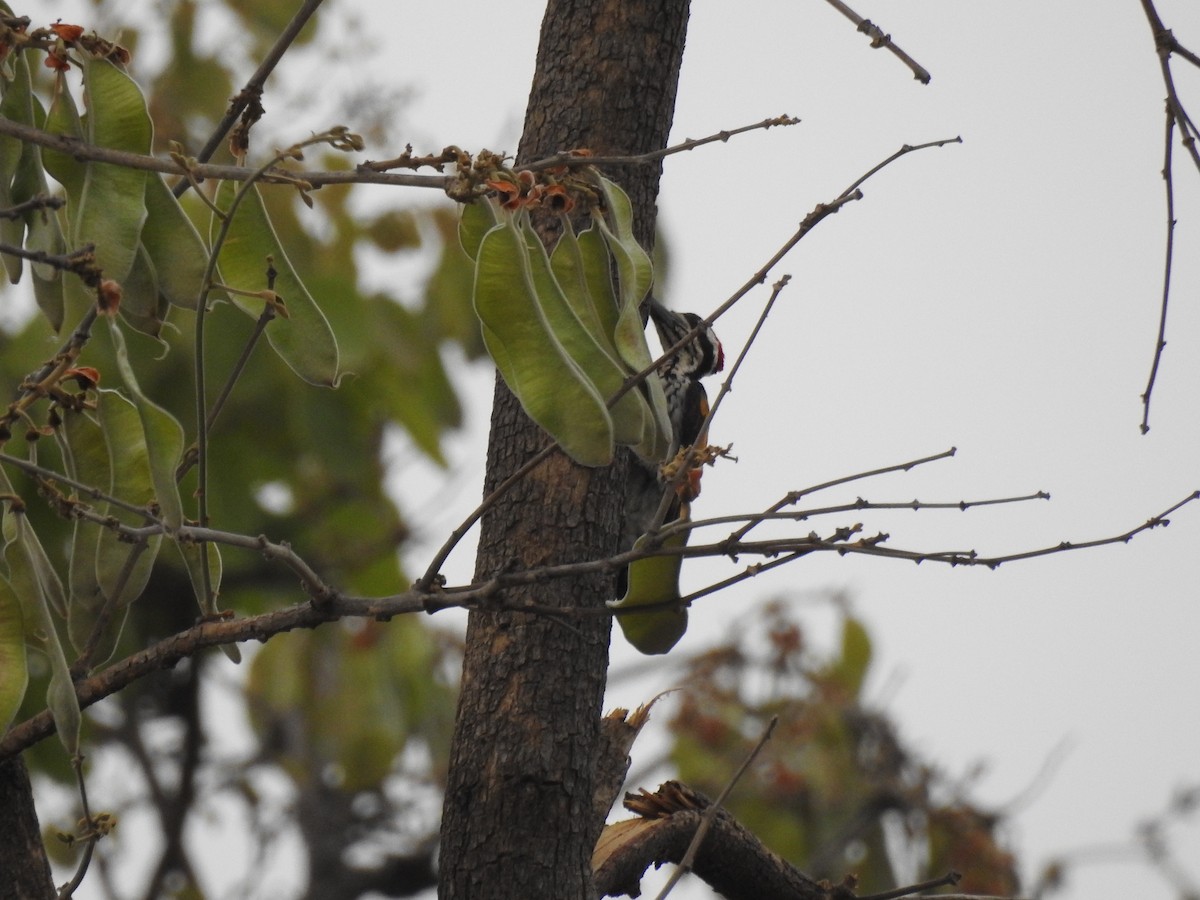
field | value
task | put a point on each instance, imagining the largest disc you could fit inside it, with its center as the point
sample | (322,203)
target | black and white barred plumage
(687,406)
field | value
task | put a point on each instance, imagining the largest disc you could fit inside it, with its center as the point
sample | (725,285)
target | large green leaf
(44,233)
(16,106)
(552,389)
(163,436)
(635,274)
(583,264)
(476,220)
(22,180)
(174,246)
(35,584)
(111,207)
(589,352)
(63,118)
(583,267)
(123,570)
(141,305)
(304,339)
(85,455)
(654,581)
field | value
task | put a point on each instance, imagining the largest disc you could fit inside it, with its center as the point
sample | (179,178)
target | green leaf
(163,435)
(140,303)
(583,267)
(552,389)
(16,106)
(654,580)
(111,207)
(630,414)
(35,583)
(851,670)
(22,181)
(635,275)
(44,233)
(122,569)
(63,118)
(14,667)
(304,340)
(174,246)
(476,220)
(85,455)
(31,571)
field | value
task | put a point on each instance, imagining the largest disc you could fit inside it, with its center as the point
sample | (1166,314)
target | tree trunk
(26,872)
(518,819)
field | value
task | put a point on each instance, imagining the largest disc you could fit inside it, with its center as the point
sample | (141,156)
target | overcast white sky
(1000,296)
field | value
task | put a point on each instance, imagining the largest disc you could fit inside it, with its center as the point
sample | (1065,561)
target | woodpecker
(687,401)
(687,407)
(654,581)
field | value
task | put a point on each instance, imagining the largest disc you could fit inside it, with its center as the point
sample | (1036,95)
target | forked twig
(1166,45)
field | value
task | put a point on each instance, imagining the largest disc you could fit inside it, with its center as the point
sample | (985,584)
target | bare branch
(795,496)
(1166,45)
(733,861)
(879,39)
(909,890)
(41,201)
(252,92)
(1161,343)
(567,158)
(206,171)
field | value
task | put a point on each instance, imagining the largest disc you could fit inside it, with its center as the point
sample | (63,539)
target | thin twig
(802,515)
(41,201)
(819,213)
(253,90)
(795,496)
(92,836)
(575,160)
(1165,45)
(879,39)
(90,491)
(1161,342)
(429,579)
(260,326)
(334,606)
(908,890)
(112,604)
(207,171)
(78,261)
(710,814)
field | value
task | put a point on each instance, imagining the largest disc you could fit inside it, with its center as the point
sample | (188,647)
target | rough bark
(730,859)
(518,818)
(26,871)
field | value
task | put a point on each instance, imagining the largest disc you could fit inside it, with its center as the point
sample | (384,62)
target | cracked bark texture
(518,819)
(25,874)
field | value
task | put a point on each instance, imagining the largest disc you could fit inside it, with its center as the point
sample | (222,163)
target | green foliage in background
(289,456)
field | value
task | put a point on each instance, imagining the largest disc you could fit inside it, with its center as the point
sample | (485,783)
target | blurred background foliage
(835,789)
(341,710)
(355,718)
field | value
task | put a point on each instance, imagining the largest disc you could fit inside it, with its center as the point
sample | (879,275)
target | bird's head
(702,356)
